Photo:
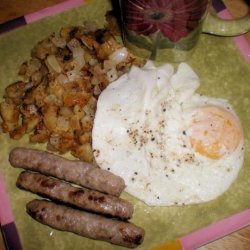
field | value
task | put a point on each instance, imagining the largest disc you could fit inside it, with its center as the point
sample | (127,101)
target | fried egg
(171,145)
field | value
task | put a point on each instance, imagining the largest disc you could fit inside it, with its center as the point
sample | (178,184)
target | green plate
(223,74)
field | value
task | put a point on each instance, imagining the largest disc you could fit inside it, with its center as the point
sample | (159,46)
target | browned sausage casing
(81,197)
(77,172)
(85,224)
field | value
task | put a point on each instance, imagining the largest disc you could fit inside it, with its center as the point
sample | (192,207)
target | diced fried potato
(74,98)
(18,132)
(66,145)
(87,123)
(38,138)
(78,111)
(52,100)
(36,78)
(50,117)
(41,129)
(9,112)
(38,95)
(100,75)
(89,42)
(65,32)
(85,84)
(53,64)
(66,111)
(15,90)
(57,90)
(31,123)
(28,111)
(43,49)
(90,107)
(62,124)
(7,127)
(74,123)
(97,90)
(84,152)
(61,144)
(33,66)
(85,138)
(107,48)
(68,134)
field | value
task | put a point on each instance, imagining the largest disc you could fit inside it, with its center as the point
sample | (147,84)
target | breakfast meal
(172,146)
(85,224)
(131,126)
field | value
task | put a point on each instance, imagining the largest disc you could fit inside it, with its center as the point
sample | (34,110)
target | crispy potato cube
(15,90)
(84,152)
(85,138)
(80,98)
(79,113)
(50,117)
(18,133)
(38,138)
(9,112)
(31,123)
(87,124)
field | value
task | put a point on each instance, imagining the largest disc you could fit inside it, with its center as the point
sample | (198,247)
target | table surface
(11,9)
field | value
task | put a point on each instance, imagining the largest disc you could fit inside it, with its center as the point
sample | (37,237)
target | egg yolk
(215,131)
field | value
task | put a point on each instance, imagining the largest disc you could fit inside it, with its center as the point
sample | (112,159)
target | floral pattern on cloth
(175,19)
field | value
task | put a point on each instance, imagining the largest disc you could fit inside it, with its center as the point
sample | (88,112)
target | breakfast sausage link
(80,197)
(85,224)
(78,172)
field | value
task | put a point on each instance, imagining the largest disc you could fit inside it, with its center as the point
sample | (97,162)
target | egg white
(140,134)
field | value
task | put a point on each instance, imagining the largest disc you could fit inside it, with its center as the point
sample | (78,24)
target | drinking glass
(168,30)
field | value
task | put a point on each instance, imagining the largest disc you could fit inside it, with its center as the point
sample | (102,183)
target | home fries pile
(56,99)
